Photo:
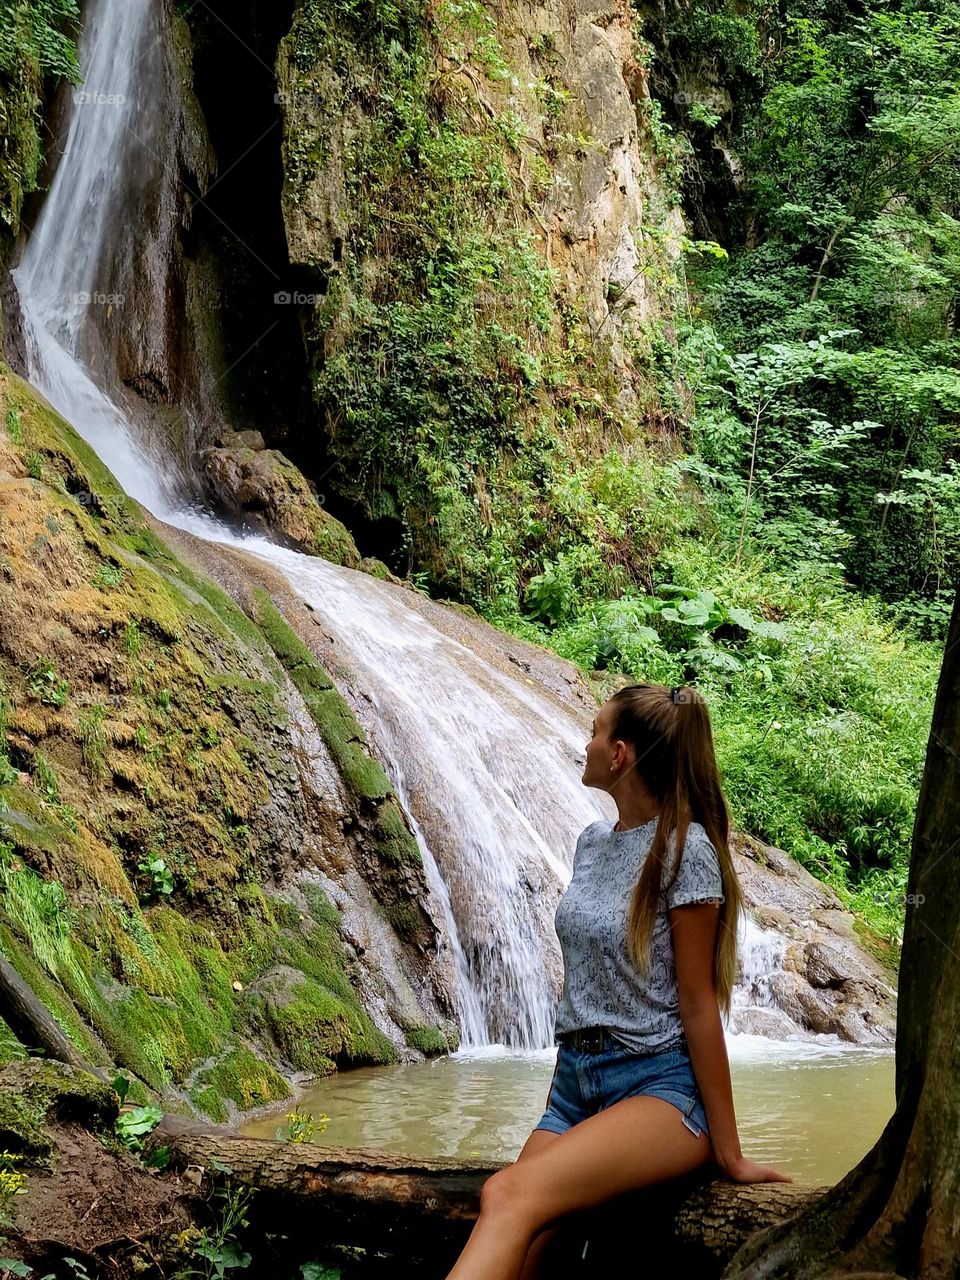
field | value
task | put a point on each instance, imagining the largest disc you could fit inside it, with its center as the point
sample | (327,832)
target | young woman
(648,930)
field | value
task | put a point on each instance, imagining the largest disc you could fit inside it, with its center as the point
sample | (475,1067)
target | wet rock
(266,488)
(772,1022)
(248,439)
(831,982)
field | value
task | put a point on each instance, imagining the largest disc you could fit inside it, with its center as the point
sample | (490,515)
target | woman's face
(600,751)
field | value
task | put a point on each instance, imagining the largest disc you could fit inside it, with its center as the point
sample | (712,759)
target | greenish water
(811,1110)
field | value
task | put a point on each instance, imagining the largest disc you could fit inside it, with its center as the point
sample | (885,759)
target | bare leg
(534,1259)
(636,1142)
(538,1140)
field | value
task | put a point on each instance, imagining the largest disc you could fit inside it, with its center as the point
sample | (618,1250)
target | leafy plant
(219,1247)
(44,778)
(93,740)
(159,874)
(44,683)
(13,1183)
(132,638)
(134,1125)
(108,575)
(14,423)
(302,1126)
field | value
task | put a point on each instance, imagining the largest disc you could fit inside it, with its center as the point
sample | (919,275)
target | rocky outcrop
(830,980)
(265,488)
(187,805)
(570,76)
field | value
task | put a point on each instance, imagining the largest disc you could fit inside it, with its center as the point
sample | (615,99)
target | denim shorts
(585,1083)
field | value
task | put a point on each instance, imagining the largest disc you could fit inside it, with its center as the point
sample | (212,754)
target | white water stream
(487,765)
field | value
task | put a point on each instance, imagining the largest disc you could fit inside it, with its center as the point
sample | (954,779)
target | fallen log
(33,1025)
(419,1211)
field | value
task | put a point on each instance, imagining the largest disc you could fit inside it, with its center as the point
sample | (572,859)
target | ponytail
(671,731)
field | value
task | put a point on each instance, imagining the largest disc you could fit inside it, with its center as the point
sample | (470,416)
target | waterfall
(486,764)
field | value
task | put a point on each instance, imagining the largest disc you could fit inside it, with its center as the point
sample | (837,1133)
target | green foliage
(37,46)
(846,133)
(13,1183)
(44,683)
(134,1125)
(13,423)
(40,31)
(158,875)
(39,907)
(219,1248)
(302,1126)
(132,639)
(108,575)
(93,741)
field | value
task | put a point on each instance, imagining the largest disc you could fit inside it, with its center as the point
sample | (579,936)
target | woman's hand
(744,1170)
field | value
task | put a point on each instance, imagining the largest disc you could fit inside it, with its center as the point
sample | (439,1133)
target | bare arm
(694,927)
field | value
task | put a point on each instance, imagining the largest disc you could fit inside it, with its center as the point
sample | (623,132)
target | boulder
(833,980)
(263,486)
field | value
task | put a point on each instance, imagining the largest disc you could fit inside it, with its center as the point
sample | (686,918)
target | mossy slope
(149,790)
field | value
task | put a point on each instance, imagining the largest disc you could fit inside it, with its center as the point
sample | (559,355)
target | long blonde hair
(673,737)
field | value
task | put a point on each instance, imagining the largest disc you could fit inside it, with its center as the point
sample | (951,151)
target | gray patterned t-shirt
(602,986)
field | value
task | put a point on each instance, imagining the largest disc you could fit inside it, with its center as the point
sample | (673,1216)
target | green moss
(321,908)
(241,1077)
(880,948)
(50,992)
(342,735)
(33,1090)
(314,1028)
(427,1040)
(376,568)
(405,919)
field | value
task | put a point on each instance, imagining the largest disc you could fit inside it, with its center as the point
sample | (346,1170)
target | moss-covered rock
(265,487)
(32,1092)
(473,187)
(391,859)
(239,1076)
(429,1041)
(150,784)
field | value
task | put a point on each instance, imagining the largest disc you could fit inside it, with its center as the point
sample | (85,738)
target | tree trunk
(897,1214)
(28,1019)
(421,1211)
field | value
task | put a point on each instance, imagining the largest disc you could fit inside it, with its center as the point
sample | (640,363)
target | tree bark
(29,1020)
(897,1214)
(420,1211)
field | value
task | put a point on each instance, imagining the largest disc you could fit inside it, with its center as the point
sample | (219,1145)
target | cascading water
(487,766)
